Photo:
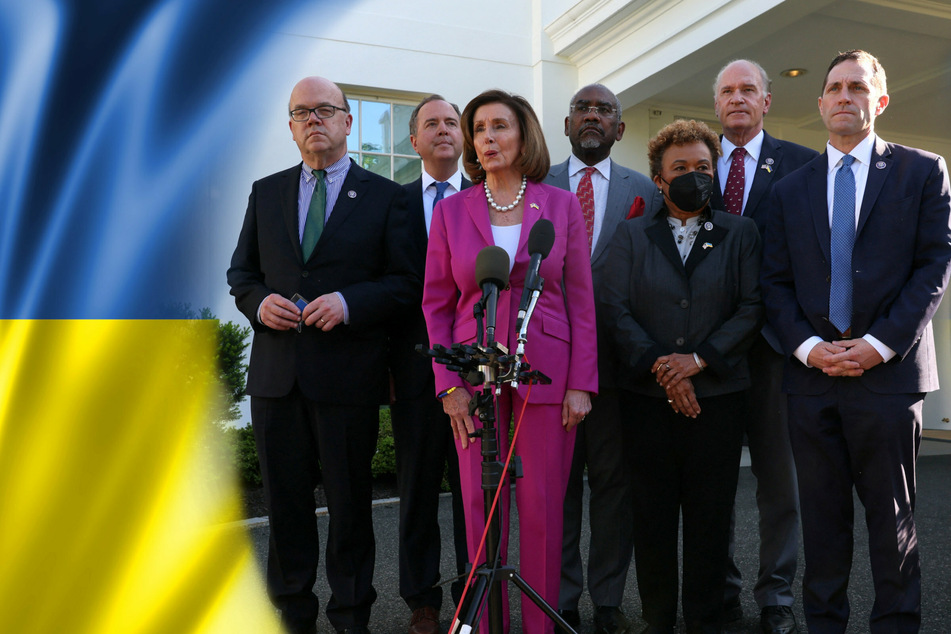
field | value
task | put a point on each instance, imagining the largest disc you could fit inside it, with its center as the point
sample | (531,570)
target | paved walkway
(390,614)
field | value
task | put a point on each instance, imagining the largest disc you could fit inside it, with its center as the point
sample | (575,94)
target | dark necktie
(586,197)
(843,237)
(314,224)
(440,192)
(735,183)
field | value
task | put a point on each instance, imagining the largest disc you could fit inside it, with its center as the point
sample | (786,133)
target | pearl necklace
(518,199)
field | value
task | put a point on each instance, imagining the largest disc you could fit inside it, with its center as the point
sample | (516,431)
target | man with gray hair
(609,193)
(751,163)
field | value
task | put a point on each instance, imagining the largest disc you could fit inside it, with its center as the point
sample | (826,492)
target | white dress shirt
(750,164)
(863,158)
(600,181)
(429,193)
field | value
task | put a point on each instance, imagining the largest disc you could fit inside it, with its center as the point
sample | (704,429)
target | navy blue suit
(765,423)
(861,431)
(422,436)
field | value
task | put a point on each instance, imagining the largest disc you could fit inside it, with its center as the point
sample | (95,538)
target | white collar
(753,149)
(575,165)
(862,152)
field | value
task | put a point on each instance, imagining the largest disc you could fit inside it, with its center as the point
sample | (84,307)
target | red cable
(495,500)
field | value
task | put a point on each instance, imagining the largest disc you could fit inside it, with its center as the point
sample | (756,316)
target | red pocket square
(637,208)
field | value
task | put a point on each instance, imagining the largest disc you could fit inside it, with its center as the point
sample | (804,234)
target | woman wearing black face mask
(682,304)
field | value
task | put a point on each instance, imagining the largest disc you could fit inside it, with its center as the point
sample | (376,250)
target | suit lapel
(478,209)
(659,233)
(535,202)
(881,155)
(351,193)
(619,192)
(290,190)
(771,155)
(707,240)
(816,184)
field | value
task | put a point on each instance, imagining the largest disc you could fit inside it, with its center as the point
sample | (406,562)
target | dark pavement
(390,614)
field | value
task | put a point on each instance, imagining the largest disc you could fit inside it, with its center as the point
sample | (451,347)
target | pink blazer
(562,341)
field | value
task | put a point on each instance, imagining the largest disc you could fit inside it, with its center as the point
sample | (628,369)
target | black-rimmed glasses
(322,112)
(603,111)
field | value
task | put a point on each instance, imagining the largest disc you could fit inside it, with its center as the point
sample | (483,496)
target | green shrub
(384,460)
(244,455)
(239,442)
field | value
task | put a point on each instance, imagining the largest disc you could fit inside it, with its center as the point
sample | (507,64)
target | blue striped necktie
(843,237)
(440,191)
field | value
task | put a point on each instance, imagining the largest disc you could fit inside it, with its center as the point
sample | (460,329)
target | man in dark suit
(592,126)
(421,430)
(752,162)
(857,260)
(323,258)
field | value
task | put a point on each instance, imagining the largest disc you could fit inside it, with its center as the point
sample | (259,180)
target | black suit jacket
(781,158)
(365,252)
(412,372)
(654,304)
(900,261)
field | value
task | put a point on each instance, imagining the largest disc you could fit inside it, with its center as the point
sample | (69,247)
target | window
(379,139)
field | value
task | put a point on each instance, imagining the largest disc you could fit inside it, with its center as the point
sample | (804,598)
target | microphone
(492,275)
(540,240)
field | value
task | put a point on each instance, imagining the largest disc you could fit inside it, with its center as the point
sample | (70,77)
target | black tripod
(490,366)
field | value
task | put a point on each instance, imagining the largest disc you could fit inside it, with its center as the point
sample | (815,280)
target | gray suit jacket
(625,185)
(655,304)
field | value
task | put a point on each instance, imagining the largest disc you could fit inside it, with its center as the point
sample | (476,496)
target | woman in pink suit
(504,151)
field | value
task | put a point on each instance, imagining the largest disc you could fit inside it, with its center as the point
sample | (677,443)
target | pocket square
(637,208)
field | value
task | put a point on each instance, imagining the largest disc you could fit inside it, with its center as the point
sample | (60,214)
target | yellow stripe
(111,487)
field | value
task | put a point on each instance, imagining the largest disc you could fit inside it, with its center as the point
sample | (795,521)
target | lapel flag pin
(766,167)
(533,205)
(352,194)
(707,245)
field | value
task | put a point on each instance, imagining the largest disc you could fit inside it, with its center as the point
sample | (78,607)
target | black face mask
(690,191)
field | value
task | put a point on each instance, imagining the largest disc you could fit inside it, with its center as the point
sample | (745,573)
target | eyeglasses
(322,112)
(603,111)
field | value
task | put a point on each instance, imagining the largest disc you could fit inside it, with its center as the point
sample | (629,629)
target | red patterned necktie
(735,183)
(586,196)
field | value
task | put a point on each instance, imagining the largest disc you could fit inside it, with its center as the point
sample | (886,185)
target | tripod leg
(472,610)
(536,598)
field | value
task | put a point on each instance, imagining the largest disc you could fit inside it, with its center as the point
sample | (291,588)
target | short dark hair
(534,161)
(860,56)
(680,132)
(413,123)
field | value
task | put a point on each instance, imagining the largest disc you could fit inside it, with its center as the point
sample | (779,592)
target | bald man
(323,258)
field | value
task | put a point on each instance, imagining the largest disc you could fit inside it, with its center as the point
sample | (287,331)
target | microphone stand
(491,366)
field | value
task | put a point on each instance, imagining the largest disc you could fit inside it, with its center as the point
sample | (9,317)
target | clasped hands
(673,372)
(280,313)
(851,357)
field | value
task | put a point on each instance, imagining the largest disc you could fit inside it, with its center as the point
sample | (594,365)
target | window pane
(401,115)
(406,170)
(375,131)
(377,164)
(353,141)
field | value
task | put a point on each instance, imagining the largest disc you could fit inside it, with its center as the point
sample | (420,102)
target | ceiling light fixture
(793,72)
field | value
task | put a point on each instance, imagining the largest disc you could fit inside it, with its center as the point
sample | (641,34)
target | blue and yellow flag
(113,511)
